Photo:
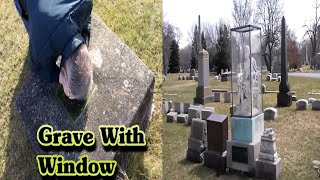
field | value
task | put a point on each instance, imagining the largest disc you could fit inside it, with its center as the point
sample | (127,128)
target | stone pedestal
(172,117)
(244,146)
(268,163)
(284,99)
(217,135)
(182,118)
(197,141)
(242,155)
(247,129)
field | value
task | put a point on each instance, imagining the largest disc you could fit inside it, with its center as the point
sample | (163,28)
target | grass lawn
(297,132)
(137,23)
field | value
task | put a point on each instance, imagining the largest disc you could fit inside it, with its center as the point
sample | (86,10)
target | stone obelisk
(284,98)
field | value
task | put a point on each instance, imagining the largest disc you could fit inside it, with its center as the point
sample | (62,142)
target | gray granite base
(268,169)
(182,118)
(172,117)
(216,161)
(244,161)
(194,156)
(284,99)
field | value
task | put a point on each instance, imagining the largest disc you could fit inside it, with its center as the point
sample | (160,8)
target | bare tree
(169,33)
(270,13)
(312,32)
(242,12)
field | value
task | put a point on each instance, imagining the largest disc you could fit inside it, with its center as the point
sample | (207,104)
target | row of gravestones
(188,78)
(264,90)
(207,145)
(185,112)
(302,104)
(273,77)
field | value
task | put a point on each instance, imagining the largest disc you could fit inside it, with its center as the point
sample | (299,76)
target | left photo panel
(80,89)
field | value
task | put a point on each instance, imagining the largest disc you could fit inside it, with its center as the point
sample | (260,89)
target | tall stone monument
(247,118)
(203,92)
(284,97)
(123,96)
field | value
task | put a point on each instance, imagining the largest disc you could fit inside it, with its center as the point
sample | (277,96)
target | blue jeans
(19,9)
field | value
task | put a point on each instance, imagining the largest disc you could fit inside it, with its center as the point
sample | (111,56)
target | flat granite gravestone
(123,96)
(172,117)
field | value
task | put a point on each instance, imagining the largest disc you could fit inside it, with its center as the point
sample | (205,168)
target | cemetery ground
(297,132)
(137,23)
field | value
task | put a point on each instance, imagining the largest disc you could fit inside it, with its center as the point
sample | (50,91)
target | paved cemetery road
(314,74)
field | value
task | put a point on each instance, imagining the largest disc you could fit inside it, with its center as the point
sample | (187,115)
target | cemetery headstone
(302,104)
(197,141)
(172,117)
(182,118)
(284,97)
(263,88)
(316,105)
(227,97)
(311,100)
(217,97)
(192,72)
(268,165)
(206,112)
(186,107)
(194,112)
(203,91)
(270,113)
(217,134)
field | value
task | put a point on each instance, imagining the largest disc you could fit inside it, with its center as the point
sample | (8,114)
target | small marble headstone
(311,100)
(217,97)
(302,104)
(227,97)
(316,105)
(270,113)
(268,78)
(178,107)
(186,107)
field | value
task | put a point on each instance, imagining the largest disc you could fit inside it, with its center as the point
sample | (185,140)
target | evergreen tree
(222,56)
(195,49)
(203,41)
(174,65)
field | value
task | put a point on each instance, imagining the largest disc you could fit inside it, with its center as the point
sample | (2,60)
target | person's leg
(19,9)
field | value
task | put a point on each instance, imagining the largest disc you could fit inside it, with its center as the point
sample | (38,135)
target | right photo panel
(241,89)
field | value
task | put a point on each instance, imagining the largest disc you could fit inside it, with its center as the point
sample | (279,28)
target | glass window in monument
(246,71)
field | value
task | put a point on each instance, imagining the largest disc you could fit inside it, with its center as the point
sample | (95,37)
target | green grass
(297,132)
(137,23)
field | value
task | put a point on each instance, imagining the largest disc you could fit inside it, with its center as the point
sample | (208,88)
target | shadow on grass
(24,121)
(20,158)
